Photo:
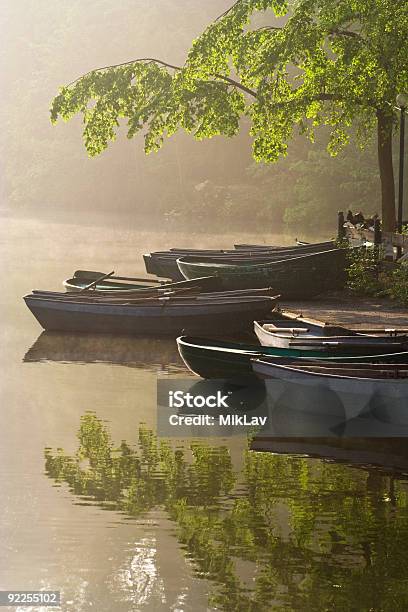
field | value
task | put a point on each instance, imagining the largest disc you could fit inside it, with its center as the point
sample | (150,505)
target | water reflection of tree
(288,533)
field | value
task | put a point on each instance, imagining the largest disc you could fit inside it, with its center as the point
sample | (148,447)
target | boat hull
(207,317)
(322,339)
(293,278)
(164,263)
(383,400)
(228,360)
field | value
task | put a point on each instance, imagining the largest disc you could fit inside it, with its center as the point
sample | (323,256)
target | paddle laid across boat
(150,293)
(83,278)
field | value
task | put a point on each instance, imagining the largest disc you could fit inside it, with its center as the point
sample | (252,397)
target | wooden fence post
(341,230)
(377,233)
(377,243)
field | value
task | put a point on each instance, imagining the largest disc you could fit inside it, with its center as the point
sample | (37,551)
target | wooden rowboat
(164,263)
(83,278)
(150,316)
(361,389)
(304,276)
(286,334)
(211,358)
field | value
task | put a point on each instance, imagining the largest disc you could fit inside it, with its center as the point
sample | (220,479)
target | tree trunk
(384,132)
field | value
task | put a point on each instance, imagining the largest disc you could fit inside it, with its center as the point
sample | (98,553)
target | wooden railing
(394,244)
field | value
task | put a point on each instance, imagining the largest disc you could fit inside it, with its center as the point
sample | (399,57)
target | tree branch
(228,10)
(349,33)
(268,27)
(152,60)
(237,84)
(147,60)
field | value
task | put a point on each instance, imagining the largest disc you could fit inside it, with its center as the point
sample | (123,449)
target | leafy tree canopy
(333,62)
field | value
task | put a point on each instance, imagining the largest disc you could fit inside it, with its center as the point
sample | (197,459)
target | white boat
(286,334)
(376,390)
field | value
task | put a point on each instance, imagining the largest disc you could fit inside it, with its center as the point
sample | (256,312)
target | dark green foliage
(368,276)
(363,271)
(398,288)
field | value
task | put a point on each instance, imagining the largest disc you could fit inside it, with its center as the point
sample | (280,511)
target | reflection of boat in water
(145,353)
(390,454)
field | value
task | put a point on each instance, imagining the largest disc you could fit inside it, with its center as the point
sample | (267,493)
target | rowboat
(164,263)
(149,316)
(83,278)
(372,390)
(211,358)
(284,334)
(304,276)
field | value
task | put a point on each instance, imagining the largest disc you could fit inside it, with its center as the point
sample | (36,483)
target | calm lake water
(94,505)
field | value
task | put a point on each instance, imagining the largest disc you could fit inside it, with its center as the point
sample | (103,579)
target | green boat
(232,360)
(103,282)
(164,263)
(299,277)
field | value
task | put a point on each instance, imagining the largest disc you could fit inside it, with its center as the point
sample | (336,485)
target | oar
(87,273)
(351,346)
(287,330)
(383,330)
(135,278)
(122,295)
(96,298)
(98,280)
